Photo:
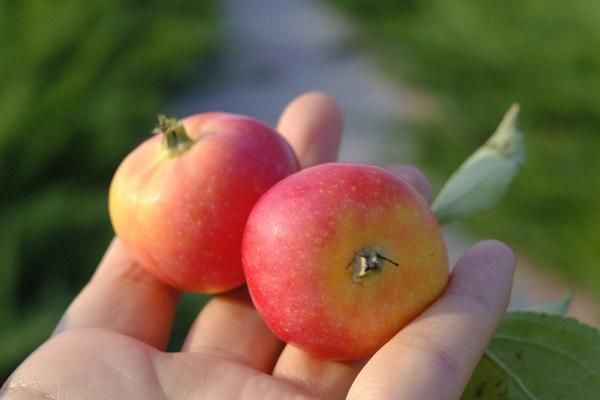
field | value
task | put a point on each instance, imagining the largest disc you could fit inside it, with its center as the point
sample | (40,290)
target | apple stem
(175,137)
(368,260)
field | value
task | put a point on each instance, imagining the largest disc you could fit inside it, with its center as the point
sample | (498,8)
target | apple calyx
(366,262)
(175,138)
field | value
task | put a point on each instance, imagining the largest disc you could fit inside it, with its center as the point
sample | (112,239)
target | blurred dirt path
(275,50)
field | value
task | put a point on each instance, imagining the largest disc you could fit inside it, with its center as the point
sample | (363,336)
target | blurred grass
(476,58)
(80,86)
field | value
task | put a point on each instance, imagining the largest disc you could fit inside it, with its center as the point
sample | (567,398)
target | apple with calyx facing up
(339,257)
(180,200)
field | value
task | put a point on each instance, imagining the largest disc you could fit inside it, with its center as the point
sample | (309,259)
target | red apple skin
(182,217)
(301,238)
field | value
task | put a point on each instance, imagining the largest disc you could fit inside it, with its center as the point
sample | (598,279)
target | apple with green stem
(180,200)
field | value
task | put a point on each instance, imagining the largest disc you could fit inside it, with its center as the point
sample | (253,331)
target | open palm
(110,342)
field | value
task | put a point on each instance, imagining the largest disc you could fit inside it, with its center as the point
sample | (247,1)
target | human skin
(340,256)
(180,205)
(108,346)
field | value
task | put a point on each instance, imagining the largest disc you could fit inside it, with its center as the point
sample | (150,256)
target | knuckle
(442,360)
(474,300)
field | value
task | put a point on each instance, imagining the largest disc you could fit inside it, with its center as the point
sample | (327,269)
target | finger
(415,178)
(325,379)
(434,356)
(230,327)
(124,298)
(312,124)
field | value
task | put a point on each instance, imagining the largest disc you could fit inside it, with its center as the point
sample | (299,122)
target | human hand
(110,342)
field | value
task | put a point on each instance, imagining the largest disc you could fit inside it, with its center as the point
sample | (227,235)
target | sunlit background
(425,82)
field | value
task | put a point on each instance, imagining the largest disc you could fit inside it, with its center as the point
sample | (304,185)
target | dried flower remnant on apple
(368,261)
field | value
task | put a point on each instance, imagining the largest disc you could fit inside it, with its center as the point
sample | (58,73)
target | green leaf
(539,356)
(482,179)
(559,306)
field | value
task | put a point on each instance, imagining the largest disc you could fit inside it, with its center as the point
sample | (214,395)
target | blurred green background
(476,57)
(80,84)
